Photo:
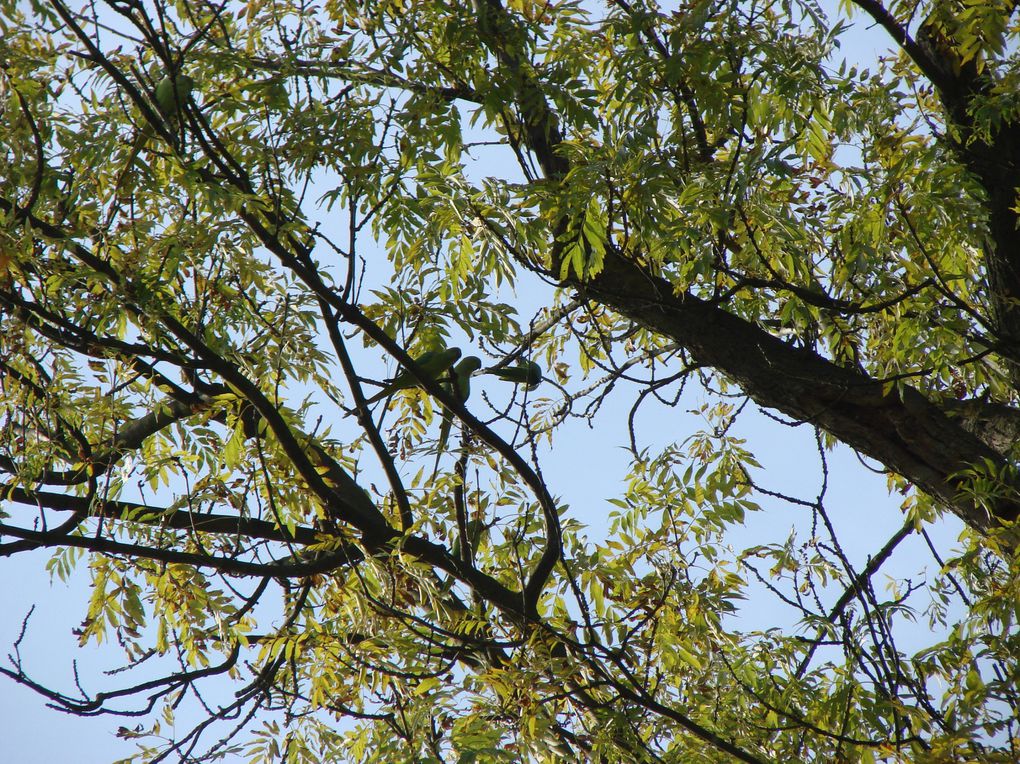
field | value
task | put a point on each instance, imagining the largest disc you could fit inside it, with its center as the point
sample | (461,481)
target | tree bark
(892,423)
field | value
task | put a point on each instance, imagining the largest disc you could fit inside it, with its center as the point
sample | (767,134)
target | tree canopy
(301,300)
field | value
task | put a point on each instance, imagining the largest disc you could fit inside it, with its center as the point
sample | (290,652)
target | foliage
(225,229)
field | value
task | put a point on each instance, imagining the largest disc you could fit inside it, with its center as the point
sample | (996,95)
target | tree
(225,226)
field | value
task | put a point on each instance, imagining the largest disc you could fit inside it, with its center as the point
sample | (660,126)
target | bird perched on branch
(460,388)
(433,364)
(172,92)
(529,374)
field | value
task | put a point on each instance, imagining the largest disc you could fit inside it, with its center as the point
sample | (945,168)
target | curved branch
(94,706)
(128,438)
(109,546)
(855,588)
(161,517)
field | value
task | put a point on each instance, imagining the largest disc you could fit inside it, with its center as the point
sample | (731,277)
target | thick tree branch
(895,425)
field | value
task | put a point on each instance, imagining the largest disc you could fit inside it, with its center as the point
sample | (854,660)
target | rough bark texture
(899,428)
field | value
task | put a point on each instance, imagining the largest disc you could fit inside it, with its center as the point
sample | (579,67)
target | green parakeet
(462,374)
(460,388)
(171,94)
(356,498)
(475,531)
(167,100)
(432,362)
(529,374)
